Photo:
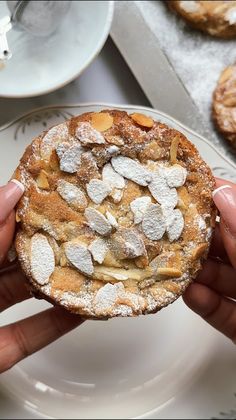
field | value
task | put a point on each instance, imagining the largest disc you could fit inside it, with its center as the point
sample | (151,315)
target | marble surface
(107,79)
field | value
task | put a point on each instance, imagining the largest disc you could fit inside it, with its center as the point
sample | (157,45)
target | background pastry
(224,104)
(217,18)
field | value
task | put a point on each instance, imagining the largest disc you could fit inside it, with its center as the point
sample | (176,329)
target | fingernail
(9,196)
(225,200)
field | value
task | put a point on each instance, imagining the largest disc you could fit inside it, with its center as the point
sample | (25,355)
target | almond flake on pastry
(131,169)
(41,259)
(175,225)
(127,243)
(98,190)
(70,159)
(79,255)
(86,134)
(98,249)
(112,220)
(138,207)
(112,178)
(73,195)
(161,191)
(117,195)
(56,135)
(154,224)
(175,176)
(97,221)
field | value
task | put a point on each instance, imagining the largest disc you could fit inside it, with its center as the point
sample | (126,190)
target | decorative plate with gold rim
(168,365)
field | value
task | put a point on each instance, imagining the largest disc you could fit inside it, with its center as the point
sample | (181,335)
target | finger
(218,311)
(221,181)
(217,249)
(9,196)
(219,277)
(25,337)
(7,230)
(225,199)
(13,289)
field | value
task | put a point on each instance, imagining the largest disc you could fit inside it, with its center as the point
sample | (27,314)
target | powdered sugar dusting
(56,135)
(175,225)
(98,249)
(138,207)
(73,195)
(175,176)
(230,16)
(80,257)
(131,169)
(153,224)
(97,221)
(70,159)
(161,191)
(112,178)
(41,258)
(86,134)
(189,6)
(98,190)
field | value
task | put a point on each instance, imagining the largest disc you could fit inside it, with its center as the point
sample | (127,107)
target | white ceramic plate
(41,65)
(168,365)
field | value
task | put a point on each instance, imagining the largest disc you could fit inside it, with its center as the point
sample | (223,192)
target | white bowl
(41,65)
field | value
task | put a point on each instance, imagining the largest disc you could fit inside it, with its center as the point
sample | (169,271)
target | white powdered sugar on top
(97,221)
(112,220)
(98,249)
(175,225)
(154,224)
(98,190)
(131,169)
(189,6)
(86,134)
(54,136)
(139,207)
(175,175)
(161,191)
(111,177)
(70,159)
(79,255)
(41,259)
(72,194)
(230,16)
(107,296)
(201,222)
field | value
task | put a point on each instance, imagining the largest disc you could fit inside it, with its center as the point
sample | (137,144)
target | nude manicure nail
(225,200)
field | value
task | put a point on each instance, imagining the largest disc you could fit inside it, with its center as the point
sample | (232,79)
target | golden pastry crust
(217,18)
(117,214)
(224,104)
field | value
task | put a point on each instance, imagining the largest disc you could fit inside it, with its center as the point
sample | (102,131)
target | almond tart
(117,214)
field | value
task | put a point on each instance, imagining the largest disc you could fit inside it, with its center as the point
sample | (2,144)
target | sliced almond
(199,250)
(42,259)
(98,190)
(161,191)
(142,120)
(42,180)
(87,135)
(153,223)
(174,149)
(73,195)
(98,249)
(168,272)
(111,219)
(97,221)
(52,138)
(175,225)
(79,255)
(119,274)
(111,177)
(101,121)
(175,176)
(226,74)
(139,207)
(70,159)
(116,195)
(117,140)
(131,169)
(127,243)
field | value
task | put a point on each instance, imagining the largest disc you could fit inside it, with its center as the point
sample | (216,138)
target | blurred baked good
(217,18)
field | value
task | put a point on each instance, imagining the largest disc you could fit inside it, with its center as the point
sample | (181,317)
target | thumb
(225,200)
(9,196)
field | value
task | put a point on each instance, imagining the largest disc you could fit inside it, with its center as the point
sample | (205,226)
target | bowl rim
(94,54)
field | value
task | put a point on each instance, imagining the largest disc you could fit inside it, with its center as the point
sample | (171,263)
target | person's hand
(25,337)
(213,294)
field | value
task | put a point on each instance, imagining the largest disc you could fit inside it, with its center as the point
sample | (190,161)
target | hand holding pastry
(213,295)
(24,337)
